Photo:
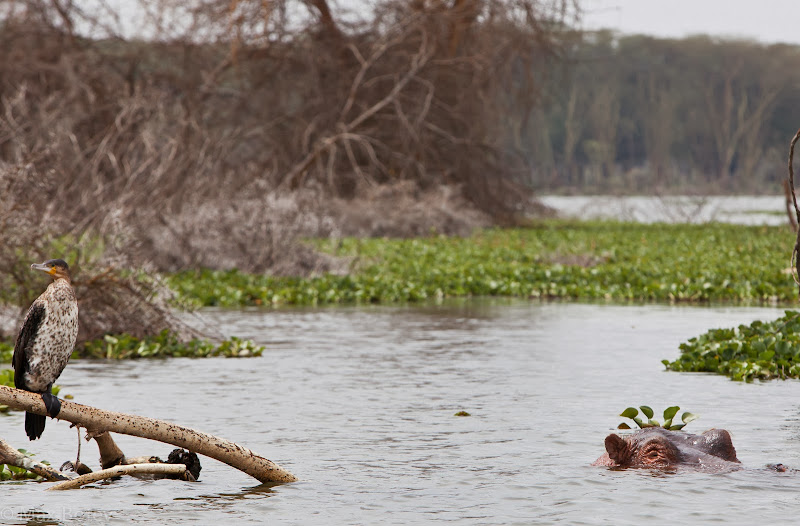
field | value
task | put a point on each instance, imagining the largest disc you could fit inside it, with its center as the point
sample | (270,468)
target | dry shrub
(113,304)
(22,234)
(222,142)
(404,210)
(419,95)
(109,301)
(251,233)
(157,133)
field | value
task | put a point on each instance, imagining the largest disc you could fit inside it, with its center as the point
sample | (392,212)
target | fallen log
(98,421)
(116,471)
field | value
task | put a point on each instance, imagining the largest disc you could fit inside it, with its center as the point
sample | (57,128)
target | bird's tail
(34,425)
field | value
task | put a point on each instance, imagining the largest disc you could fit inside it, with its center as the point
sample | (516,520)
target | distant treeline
(636,114)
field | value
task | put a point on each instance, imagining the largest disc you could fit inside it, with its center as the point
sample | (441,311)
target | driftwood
(97,421)
(12,457)
(116,471)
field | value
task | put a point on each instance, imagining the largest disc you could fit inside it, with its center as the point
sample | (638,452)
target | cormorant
(45,342)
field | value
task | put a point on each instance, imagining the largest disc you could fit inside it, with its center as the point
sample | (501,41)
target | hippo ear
(618,449)
(719,443)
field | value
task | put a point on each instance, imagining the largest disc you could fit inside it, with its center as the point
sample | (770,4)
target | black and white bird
(45,342)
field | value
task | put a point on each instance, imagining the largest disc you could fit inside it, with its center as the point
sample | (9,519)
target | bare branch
(116,471)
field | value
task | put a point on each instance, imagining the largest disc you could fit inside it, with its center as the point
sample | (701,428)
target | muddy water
(359,403)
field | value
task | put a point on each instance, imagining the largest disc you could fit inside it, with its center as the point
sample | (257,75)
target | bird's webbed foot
(52,404)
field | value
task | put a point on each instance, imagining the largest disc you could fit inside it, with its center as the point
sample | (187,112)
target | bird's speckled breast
(50,350)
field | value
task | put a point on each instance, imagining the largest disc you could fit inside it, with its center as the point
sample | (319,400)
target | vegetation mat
(553,259)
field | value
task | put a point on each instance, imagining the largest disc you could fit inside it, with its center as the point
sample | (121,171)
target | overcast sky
(768,21)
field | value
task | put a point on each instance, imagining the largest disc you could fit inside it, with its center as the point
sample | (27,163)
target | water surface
(358,402)
(738,209)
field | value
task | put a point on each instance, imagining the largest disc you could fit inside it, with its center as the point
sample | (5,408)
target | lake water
(359,403)
(745,210)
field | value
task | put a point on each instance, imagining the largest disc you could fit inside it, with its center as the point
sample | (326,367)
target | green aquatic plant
(163,345)
(6,352)
(8,472)
(669,418)
(597,260)
(7,379)
(761,350)
(462,413)
(125,346)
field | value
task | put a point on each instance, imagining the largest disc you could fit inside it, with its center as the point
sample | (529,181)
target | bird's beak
(43,268)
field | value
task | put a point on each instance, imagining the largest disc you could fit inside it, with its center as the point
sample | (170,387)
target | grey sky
(765,20)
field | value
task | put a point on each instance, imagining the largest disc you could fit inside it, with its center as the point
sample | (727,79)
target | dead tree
(793,195)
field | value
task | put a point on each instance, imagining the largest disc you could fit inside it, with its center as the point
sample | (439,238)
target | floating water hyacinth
(163,345)
(761,350)
(669,417)
(607,261)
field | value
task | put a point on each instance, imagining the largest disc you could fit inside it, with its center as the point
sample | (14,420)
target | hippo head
(659,448)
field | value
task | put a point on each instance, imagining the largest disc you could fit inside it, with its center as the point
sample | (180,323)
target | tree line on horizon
(636,113)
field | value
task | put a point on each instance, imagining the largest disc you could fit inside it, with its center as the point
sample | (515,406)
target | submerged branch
(99,420)
(126,469)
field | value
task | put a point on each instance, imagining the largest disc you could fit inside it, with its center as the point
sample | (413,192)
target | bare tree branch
(116,471)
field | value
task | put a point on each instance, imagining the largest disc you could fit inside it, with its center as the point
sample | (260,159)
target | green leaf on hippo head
(623,425)
(647,411)
(629,412)
(676,427)
(670,412)
(653,423)
(639,422)
(689,417)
